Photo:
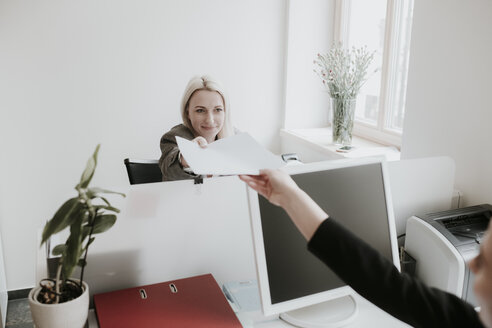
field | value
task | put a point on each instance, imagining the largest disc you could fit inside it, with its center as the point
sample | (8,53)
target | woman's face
(206,112)
(481,266)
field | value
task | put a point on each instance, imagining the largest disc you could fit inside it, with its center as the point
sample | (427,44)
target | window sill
(317,144)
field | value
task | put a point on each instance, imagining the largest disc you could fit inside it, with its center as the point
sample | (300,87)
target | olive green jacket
(170,167)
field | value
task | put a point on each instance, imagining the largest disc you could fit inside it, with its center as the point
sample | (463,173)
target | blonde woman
(206,117)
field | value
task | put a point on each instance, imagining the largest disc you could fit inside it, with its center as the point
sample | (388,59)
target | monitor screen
(355,194)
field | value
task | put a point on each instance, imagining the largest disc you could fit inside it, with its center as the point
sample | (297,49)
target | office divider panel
(173,230)
(177,229)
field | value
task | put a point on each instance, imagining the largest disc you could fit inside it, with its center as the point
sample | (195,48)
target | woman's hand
(275,185)
(201,141)
(279,188)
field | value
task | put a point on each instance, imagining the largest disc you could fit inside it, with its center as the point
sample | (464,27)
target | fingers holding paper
(237,154)
(258,183)
(274,185)
(201,141)
(279,188)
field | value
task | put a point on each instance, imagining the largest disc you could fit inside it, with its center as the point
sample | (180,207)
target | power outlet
(457,199)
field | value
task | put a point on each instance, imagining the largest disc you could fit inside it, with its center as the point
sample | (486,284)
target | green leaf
(104,200)
(59,249)
(107,207)
(95,190)
(91,240)
(62,218)
(86,229)
(88,173)
(102,223)
(74,247)
(86,217)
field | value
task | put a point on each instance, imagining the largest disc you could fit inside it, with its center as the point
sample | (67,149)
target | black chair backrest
(143,170)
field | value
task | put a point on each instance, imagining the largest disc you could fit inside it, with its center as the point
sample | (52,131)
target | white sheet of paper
(237,154)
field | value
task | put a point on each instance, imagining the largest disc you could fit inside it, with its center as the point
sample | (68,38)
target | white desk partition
(174,230)
(177,229)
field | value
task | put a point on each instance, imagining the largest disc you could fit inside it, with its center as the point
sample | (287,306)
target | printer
(443,243)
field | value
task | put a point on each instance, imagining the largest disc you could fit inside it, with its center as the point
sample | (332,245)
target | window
(384,26)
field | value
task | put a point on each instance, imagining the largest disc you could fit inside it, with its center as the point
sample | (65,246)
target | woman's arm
(375,278)
(169,163)
(281,190)
(361,266)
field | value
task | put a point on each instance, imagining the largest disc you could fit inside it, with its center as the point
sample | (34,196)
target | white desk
(177,229)
(368,316)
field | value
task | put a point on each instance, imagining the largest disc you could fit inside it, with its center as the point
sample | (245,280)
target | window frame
(379,133)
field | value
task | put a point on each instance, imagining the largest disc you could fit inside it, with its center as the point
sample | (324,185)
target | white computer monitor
(353,192)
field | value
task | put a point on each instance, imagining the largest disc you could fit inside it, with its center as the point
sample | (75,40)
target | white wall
(311,24)
(77,73)
(448,109)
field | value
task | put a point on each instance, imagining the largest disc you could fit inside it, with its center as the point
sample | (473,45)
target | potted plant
(64,301)
(343,72)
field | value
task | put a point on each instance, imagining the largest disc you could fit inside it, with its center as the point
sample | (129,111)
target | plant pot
(71,314)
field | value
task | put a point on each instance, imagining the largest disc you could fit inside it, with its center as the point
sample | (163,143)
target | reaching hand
(279,188)
(201,141)
(274,185)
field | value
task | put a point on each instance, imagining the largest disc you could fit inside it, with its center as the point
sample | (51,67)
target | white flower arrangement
(343,71)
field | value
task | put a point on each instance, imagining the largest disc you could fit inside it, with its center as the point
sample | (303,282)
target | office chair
(143,170)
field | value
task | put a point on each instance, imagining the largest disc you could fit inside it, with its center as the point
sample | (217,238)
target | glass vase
(342,123)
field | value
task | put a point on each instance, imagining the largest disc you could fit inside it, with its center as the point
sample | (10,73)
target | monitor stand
(334,313)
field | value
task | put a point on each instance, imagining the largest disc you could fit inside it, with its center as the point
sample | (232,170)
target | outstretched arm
(279,188)
(358,264)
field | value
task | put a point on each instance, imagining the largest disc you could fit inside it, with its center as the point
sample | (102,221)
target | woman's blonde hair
(206,82)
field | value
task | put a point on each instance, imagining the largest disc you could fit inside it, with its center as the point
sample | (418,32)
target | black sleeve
(375,278)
